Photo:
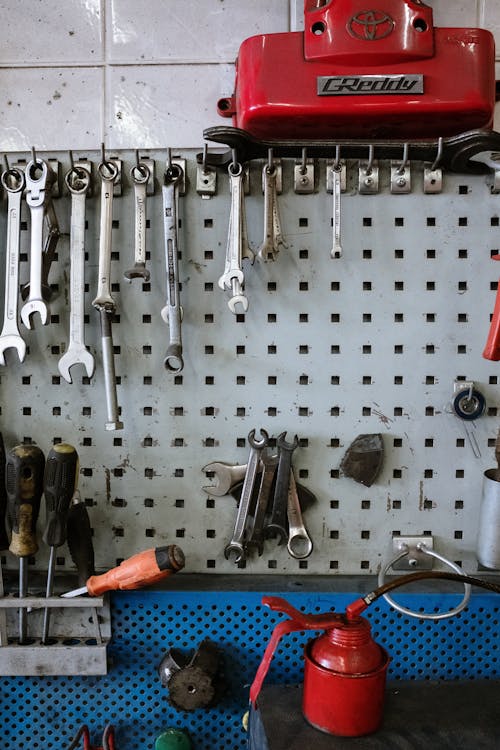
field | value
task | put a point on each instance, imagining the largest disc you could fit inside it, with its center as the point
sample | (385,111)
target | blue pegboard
(40,712)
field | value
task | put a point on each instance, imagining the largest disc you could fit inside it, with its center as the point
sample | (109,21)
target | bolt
(368,181)
(401,182)
(412,562)
(304,180)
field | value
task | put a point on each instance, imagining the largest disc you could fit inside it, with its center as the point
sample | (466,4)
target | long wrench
(140,175)
(299,542)
(273,235)
(10,338)
(256,529)
(237,541)
(172,312)
(237,248)
(78,182)
(39,178)
(104,302)
(278,523)
(226,475)
(336,251)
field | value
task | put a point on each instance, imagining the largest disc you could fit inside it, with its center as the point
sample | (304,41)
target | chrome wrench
(10,338)
(104,302)
(278,523)
(37,195)
(336,251)
(78,182)
(273,235)
(237,247)
(256,529)
(226,475)
(172,312)
(140,175)
(299,544)
(237,541)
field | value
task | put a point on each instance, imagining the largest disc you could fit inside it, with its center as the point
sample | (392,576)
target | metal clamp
(422,548)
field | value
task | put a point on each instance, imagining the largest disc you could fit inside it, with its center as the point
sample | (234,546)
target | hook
(7,165)
(270,162)
(169,159)
(71,160)
(204,160)
(33,154)
(303,166)
(369,166)
(401,168)
(103,154)
(438,155)
(336,163)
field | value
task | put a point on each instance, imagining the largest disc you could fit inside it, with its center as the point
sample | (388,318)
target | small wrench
(78,182)
(39,178)
(226,475)
(336,251)
(278,523)
(299,544)
(256,530)
(140,175)
(172,312)
(273,235)
(237,541)
(237,247)
(10,338)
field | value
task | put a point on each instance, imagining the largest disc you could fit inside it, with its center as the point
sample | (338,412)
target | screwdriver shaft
(48,594)
(23,591)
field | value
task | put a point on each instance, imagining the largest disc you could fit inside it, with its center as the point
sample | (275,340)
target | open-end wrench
(237,247)
(78,182)
(10,338)
(226,476)
(104,302)
(237,541)
(172,312)
(256,527)
(39,178)
(273,235)
(299,542)
(278,523)
(49,252)
(139,175)
(336,251)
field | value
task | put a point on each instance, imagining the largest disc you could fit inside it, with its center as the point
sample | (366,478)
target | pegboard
(329,348)
(147,624)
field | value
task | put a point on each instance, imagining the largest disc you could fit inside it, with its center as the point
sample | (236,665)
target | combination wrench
(256,527)
(237,248)
(172,312)
(299,543)
(39,180)
(139,175)
(336,251)
(78,183)
(104,302)
(273,235)
(10,338)
(278,524)
(226,475)
(237,541)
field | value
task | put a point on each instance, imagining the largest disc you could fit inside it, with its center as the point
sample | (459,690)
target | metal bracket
(181,163)
(329,176)
(400,178)
(206,181)
(150,164)
(117,185)
(279,176)
(368,178)
(415,559)
(304,177)
(433,179)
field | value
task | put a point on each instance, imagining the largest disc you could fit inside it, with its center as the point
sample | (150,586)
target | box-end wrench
(273,235)
(10,338)
(139,175)
(78,183)
(237,541)
(278,524)
(299,544)
(256,527)
(237,248)
(104,302)
(39,178)
(172,312)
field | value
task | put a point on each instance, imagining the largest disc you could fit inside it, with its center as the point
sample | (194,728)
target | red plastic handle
(492,348)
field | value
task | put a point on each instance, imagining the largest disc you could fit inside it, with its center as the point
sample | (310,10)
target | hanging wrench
(172,312)
(10,338)
(237,541)
(37,195)
(237,247)
(336,251)
(104,302)
(226,475)
(299,542)
(273,235)
(278,523)
(256,530)
(140,175)
(78,182)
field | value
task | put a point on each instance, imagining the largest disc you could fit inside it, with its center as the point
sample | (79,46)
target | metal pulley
(194,680)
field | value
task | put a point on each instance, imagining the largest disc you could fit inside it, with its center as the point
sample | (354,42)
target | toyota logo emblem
(370,25)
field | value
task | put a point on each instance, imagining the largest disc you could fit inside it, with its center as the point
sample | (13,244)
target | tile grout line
(105,67)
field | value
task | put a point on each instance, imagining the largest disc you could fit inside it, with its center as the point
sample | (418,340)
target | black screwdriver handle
(80,540)
(59,483)
(4,539)
(24,485)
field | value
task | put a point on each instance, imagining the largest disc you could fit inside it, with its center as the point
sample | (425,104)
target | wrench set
(269,500)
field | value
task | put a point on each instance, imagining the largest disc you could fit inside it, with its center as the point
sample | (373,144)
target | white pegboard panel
(328,349)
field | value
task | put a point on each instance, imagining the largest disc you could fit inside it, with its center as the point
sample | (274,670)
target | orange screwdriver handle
(492,348)
(140,570)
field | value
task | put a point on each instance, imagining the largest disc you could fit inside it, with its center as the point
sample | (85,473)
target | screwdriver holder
(79,636)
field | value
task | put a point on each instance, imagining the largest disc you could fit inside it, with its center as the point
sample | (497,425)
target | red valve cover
(358,73)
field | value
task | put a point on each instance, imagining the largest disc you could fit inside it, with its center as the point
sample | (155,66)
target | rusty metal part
(363,459)
(194,680)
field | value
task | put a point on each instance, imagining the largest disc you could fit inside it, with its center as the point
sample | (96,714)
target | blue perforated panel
(45,712)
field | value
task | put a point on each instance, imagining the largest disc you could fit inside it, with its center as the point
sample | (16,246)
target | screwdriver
(80,539)
(24,485)
(59,481)
(140,570)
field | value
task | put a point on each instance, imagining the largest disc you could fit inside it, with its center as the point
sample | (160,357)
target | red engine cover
(358,73)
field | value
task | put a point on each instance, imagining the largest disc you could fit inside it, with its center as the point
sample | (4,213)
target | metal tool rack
(329,348)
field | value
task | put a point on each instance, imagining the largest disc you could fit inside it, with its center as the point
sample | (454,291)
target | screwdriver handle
(492,346)
(80,544)
(140,570)
(24,485)
(4,539)
(59,482)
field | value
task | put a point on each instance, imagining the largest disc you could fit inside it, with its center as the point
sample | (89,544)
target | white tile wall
(76,72)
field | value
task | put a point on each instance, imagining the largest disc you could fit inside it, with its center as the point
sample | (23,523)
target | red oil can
(354,73)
